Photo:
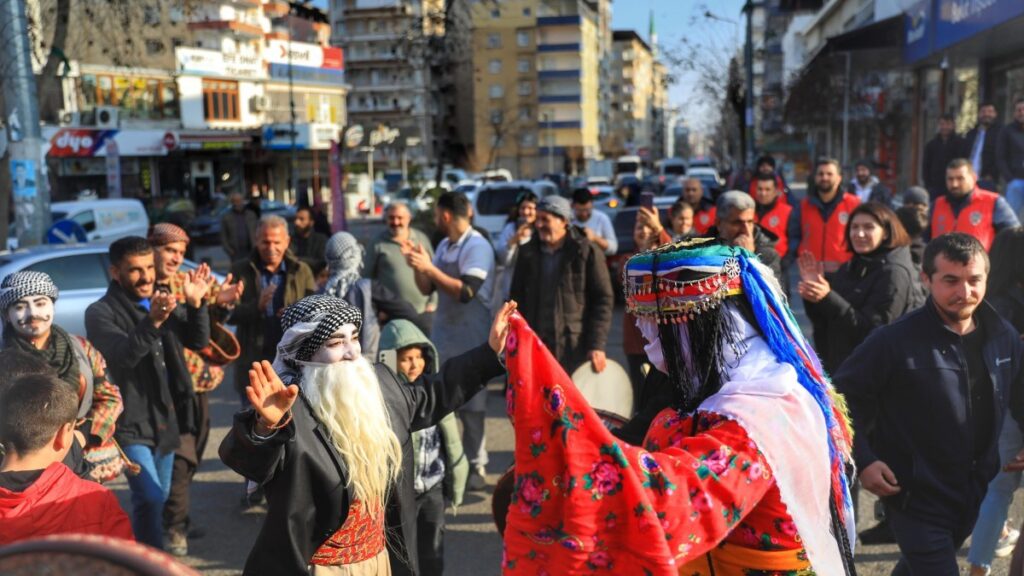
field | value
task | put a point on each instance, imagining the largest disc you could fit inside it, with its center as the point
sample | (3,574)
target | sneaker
(176,542)
(1006,544)
(878,534)
(477,480)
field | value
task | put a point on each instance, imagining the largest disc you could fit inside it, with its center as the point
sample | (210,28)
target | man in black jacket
(141,332)
(562,286)
(321,467)
(927,396)
(1010,157)
(938,153)
(981,142)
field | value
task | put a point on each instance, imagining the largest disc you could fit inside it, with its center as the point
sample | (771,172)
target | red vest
(975,218)
(704,219)
(826,240)
(776,221)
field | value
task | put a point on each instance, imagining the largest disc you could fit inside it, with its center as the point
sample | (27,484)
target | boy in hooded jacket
(440,466)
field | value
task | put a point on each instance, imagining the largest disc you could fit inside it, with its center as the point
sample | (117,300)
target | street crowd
(361,373)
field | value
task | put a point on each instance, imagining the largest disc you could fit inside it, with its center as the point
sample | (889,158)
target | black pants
(430,530)
(637,379)
(186,462)
(927,549)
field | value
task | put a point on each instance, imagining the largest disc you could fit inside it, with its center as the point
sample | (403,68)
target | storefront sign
(307,75)
(958,20)
(89,143)
(917,31)
(354,136)
(303,54)
(308,136)
(383,136)
(211,62)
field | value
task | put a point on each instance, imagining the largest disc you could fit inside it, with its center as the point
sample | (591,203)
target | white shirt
(601,225)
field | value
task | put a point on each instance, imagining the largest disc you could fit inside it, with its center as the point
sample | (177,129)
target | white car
(702,173)
(103,220)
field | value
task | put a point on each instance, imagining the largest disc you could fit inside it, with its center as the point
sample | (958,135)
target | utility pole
(294,164)
(748,56)
(29,187)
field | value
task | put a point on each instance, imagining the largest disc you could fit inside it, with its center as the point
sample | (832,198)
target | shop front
(80,162)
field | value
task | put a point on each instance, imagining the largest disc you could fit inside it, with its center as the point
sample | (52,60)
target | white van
(104,220)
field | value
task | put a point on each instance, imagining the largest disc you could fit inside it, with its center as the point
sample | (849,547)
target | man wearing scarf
(742,471)
(169,244)
(27,301)
(328,438)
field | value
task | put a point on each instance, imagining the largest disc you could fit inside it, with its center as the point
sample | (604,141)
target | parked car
(494,201)
(205,228)
(80,271)
(103,220)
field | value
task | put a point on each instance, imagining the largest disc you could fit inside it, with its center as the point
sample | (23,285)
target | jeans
(473,439)
(1015,195)
(430,530)
(992,516)
(149,492)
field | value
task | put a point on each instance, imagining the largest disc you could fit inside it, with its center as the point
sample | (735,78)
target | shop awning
(886,33)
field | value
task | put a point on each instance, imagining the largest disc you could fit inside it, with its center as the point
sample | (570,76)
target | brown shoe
(176,542)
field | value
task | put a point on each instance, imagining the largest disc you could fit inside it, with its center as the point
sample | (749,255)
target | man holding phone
(595,224)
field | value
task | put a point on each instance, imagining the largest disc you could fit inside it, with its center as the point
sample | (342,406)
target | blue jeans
(1015,195)
(992,515)
(149,492)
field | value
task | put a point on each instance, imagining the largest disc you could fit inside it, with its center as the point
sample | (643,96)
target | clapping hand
(417,257)
(813,286)
(269,396)
(230,294)
(196,285)
(161,305)
(810,268)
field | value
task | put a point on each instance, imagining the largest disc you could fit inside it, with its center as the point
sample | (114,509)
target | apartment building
(536,85)
(632,89)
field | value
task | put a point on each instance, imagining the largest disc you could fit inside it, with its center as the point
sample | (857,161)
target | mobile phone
(389,358)
(647,200)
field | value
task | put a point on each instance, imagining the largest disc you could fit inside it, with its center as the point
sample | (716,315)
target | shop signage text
(202,61)
(303,54)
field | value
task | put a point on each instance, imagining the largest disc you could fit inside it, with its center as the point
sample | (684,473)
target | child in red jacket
(39,495)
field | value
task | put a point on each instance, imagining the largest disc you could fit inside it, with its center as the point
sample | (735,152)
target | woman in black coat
(874,288)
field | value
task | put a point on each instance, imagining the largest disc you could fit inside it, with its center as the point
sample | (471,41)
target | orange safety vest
(704,219)
(776,221)
(826,240)
(975,218)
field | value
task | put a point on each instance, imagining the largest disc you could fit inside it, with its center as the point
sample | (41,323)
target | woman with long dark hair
(875,287)
(1005,291)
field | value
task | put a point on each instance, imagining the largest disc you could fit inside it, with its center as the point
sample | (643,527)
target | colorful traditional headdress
(683,285)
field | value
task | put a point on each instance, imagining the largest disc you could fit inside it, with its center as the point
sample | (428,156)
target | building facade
(640,116)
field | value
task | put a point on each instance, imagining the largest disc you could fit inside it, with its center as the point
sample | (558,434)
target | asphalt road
(472,546)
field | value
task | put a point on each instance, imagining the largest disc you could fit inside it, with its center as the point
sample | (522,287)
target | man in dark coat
(982,142)
(141,333)
(298,440)
(563,289)
(938,153)
(308,244)
(237,228)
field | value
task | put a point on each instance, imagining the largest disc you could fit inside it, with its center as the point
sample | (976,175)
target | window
(526,11)
(151,15)
(497,91)
(527,139)
(78,272)
(497,117)
(523,38)
(220,100)
(525,88)
(87,220)
(494,40)
(525,113)
(496,13)
(176,14)
(154,47)
(523,65)
(136,97)
(495,67)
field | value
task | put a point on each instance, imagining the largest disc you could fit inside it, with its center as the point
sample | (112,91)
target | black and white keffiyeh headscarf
(24,284)
(309,323)
(344,256)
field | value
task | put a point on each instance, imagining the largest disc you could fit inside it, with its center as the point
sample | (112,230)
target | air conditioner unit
(259,103)
(107,117)
(70,118)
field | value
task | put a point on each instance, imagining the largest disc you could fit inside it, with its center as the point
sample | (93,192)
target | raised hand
(161,305)
(500,327)
(417,258)
(810,269)
(196,285)
(230,294)
(269,396)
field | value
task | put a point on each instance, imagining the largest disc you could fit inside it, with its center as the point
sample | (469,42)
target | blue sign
(958,20)
(917,41)
(66,232)
(308,74)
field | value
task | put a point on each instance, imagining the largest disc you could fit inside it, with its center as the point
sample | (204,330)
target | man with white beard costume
(327,437)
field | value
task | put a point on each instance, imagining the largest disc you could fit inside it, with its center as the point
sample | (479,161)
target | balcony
(570,20)
(557,74)
(275,8)
(559,98)
(238,27)
(568,47)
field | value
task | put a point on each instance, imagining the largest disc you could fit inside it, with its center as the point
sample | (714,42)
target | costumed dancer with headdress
(744,473)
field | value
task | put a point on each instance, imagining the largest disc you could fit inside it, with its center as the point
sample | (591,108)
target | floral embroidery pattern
(566,420)
(529,493)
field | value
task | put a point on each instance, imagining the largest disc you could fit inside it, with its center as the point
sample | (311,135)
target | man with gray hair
(237,228)
(736,225)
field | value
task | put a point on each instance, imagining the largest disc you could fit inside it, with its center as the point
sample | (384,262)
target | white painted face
(32,316)
(342,345)
(649,329)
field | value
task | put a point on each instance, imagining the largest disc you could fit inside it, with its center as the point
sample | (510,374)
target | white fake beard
(347,400)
